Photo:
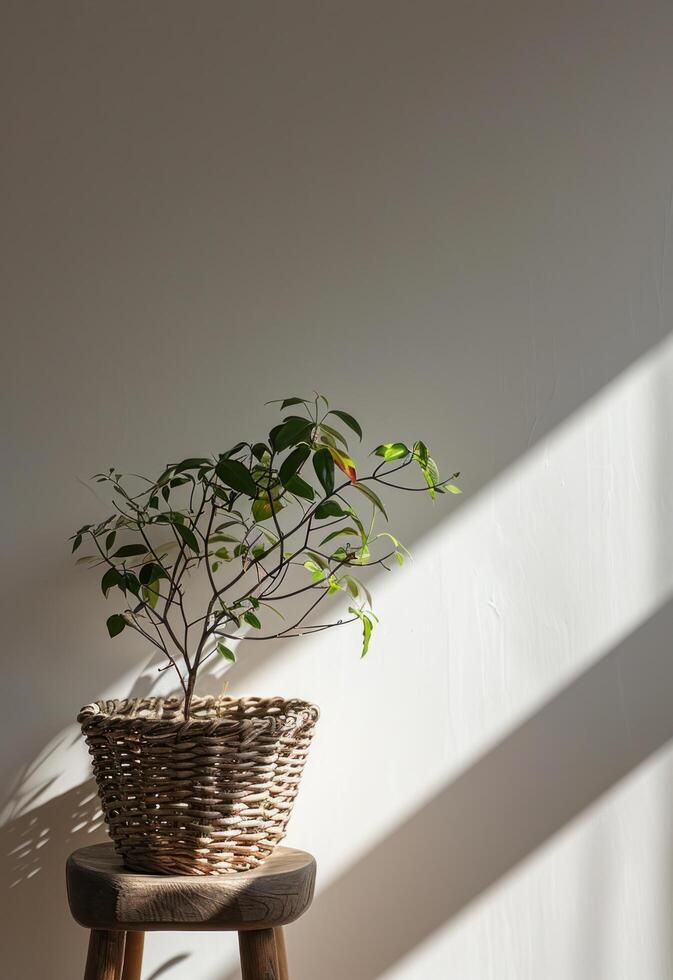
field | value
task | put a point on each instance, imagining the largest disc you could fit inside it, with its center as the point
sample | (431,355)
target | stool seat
(104,895)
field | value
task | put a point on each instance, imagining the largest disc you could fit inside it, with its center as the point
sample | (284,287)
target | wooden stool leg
(106,955)
(133,955)
(258,955)
(281,953)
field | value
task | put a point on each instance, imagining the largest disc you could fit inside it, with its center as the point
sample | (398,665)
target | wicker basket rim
(205,711)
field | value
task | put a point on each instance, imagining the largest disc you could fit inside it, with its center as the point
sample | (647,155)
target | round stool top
(103,894)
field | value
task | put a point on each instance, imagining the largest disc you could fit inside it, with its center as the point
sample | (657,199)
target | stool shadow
(168,965)
(511,801)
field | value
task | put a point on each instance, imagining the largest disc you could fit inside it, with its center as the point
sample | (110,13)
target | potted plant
(214,549)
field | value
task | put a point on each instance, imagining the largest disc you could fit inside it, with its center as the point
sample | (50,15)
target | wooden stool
(119,906)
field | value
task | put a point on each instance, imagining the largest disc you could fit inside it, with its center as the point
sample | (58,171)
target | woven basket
(207,796)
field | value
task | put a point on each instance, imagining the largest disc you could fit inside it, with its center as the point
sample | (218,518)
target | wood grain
(106,955)
(281,953)
(105,895)
(133,955)
(258,955)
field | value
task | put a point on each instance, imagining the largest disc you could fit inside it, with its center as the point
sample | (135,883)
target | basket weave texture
(207,796)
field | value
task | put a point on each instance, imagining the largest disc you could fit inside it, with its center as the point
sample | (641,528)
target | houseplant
(215,548)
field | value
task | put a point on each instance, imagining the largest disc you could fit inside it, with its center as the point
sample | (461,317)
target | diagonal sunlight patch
(531,582)
(529,585)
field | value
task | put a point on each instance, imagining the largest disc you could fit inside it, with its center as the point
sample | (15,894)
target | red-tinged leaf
(345,463)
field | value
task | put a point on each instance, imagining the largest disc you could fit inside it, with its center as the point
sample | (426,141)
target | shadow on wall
(34,846)
(33,851)
(492,816)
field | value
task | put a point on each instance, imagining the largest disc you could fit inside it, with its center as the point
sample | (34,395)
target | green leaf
(359,587)
(111,578)
(451,488)
(358,523)
(226,652)
(131,583)
(225,538)
(234,449)
(402,552)
(169,517)
(151,572)
(260,450)
(318,559)
(317,573)
(326,440)
(231,523)
(165,476)
(262,508)
(237,476)
(115,624)
(110,540)
(350,422)
(327,430)
(341,554)
(273,433)
(392,450)
(76,543)
(361,556)
(323,464)
(150,595)
(367,626)
(252,620)
(431,476)
(287,402)
(337,533)
(370,495)
(421,453)
(270,535)
(390,537)
(188,537)
(192,464)
(292,431)
(329,508)
(130,551)
(300,488)
(294,462)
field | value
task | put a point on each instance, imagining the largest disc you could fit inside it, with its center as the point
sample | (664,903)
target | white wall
(455,220)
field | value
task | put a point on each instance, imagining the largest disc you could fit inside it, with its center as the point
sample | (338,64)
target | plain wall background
(455,220)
